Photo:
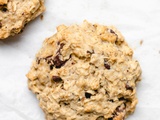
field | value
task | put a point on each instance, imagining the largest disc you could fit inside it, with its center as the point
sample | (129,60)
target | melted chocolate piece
(88,95)
(51,67)
(3,8)
(58,62)
(56,78)
(107,66)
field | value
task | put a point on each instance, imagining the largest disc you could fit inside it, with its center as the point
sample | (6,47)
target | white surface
(136,19)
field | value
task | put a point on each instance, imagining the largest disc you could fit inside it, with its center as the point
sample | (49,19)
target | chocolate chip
(96,91)
(51,67)
(106,91)
(3,8)
(128,87)
(111,31)
(90,52)
(91,64)
(110,100)
(110,118)
(49,60)
(66,103)
(106,65)
(88,95)
(121,99)
(56,78)
(38,61)
(58,62)
(61,46)
(25,24)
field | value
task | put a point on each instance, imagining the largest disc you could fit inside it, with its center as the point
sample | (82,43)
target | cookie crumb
(141,42)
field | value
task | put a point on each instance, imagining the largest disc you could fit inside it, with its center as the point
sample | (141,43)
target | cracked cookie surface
(85,72)
(15,14)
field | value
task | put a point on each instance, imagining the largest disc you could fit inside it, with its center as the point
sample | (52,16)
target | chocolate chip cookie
(85,72)
(15,14)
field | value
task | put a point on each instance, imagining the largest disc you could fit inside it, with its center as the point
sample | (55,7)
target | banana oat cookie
(15,14)
(85,72)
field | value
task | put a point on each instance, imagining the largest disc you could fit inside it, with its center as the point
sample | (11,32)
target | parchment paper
(138,20)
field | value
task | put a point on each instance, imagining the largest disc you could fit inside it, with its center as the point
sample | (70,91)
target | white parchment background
(136,19)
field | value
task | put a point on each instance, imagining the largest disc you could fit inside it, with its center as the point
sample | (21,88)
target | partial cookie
(15,14)
(85,72)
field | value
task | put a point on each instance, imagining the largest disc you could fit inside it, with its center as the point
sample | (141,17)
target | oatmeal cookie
(85,72)
(15,14)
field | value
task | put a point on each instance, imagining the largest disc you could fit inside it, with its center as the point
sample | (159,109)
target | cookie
(85,72)
(15,14)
